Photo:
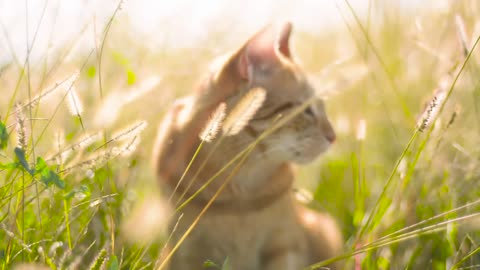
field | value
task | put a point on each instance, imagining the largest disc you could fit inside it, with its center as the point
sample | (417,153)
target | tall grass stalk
(209,132)
(209,203)
(75,223)
(235,121)
(380,60)
(242,156)
(464,259)
(441,226)
(376,215)
(67,222)
(278,124)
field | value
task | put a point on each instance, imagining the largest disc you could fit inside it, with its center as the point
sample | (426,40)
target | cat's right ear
(263,52)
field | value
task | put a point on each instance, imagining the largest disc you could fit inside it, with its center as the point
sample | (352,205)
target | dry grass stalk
(14,237)
(100,158)
(80,144)
(63,259)
(63,84)
(112,105)
(129,132)
(97,159)
(127,148)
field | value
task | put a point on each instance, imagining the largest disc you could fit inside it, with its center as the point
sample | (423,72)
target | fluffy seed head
(361,130)
(245,109)
(21,127)
(461,33)
(63,84)
(210,131)
(74,103)
(431,111)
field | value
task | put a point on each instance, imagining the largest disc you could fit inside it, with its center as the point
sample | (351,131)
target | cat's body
(255,221)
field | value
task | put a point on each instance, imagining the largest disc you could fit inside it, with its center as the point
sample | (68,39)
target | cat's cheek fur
(298,149)
(310,153)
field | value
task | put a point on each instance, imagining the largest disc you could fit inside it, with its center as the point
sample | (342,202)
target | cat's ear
(264,50)
(282,42)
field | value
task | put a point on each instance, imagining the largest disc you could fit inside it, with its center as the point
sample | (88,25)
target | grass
(77,190)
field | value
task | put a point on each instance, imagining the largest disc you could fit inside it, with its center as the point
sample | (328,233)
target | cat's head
(265,61)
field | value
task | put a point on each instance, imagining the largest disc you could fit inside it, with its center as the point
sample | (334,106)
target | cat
(255,222)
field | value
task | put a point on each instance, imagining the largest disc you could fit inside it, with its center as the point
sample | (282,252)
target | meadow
(77,188)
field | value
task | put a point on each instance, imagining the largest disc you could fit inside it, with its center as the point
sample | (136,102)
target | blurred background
(91,80)
(172,24)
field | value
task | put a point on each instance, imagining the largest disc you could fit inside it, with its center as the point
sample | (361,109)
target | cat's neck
(258,178)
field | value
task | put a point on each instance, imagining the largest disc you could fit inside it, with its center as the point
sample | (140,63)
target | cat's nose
(329,132)
(330,136)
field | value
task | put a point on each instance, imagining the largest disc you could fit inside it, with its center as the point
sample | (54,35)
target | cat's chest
(219,237)
(241,238)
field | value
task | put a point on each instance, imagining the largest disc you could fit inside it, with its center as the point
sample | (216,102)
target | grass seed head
(213,126)
(21,127)
(431,111)
(75,105)
(244,110)
(462,34)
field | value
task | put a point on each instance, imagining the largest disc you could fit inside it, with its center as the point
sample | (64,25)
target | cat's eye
(309,111)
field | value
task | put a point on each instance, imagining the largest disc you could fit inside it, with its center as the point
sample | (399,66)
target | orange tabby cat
(255,222)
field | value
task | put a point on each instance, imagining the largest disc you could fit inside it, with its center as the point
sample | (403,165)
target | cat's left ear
(263,54)
(265,50)
(282,44)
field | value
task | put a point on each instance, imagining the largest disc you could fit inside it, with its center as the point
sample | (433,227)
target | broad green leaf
(131,77)
(120,58)
(47,175)
(41,165)
(8,166)
(50,177)
(383,263)
(3,136)
(85,190)
(57,180)
(22,160)
(226,264)
(91,71)
(70,194)
(81,193)
(359,196)
(384,204)
(209,263)
(113,263)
